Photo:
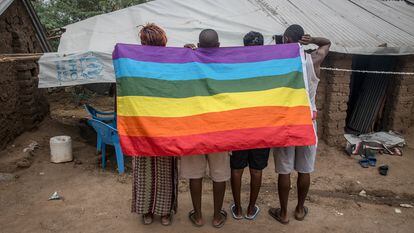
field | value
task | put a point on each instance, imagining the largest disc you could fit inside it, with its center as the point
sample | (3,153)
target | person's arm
(323,48)
(317,56)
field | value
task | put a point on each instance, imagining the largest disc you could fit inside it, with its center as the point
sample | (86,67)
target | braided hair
(152,35)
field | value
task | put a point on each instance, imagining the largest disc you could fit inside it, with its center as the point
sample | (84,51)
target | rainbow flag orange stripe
(177,101)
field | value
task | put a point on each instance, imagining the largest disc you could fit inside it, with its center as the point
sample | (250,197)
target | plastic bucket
(61,149)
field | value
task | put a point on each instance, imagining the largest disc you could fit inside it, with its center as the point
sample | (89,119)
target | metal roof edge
(4,5)
(40,32)
(391,51)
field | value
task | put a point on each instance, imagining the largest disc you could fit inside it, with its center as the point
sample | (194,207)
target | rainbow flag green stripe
(197,87)
(177,101)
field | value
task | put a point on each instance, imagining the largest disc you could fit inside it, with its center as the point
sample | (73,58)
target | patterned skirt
(155,185)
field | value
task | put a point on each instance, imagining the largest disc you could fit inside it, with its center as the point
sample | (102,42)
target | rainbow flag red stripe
(177,101)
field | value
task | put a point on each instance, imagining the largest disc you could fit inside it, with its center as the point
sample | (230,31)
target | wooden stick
(54,37)
(22,58)
(20,54)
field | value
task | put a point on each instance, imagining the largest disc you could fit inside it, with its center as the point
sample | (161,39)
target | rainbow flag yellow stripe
(161,106)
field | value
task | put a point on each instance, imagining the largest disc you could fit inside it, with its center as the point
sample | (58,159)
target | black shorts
(255,158)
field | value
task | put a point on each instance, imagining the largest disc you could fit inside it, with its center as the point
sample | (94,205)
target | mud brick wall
(22,104)
(332,99)
(333,96)
(400,109)
(320,103)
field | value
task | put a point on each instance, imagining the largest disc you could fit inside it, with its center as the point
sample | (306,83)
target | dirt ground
(96,200)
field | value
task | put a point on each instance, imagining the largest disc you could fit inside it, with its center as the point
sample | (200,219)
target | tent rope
(368,71)
(35,56)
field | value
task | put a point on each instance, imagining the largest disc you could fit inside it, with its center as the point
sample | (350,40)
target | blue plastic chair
(106,117)
(109,136)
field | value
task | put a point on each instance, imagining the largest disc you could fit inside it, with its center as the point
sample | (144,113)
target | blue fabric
(125,67)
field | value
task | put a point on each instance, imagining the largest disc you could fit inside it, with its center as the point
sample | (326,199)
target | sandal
(372,161)
(383,170)
(364,163)
(170,219)
(233,213)
(256,212)
(146,220)
(305,210)
(221,224)
(275,213)
(193,220)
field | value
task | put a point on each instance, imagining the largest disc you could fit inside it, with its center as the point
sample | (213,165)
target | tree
(55,14)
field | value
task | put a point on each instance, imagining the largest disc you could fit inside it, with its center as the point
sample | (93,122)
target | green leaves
(56,14)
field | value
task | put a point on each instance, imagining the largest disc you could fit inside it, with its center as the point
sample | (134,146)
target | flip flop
(372,161)
(221,224)
(256,212)
(233,213)
(306,211)
(364,163)
(383,170)
(193,220)
(275,213)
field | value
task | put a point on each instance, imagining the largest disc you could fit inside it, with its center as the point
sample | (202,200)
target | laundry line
(4,58)
(368,71)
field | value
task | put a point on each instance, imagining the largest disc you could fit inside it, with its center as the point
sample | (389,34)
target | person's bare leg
(283,186)
(196,190)
(303,184)
(255,184)
(236,179)
(219,189)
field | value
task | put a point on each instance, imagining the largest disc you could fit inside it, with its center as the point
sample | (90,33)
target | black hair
(208,38)
(253,38)
(294,32)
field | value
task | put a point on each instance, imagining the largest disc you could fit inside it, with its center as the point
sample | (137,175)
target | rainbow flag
(178,101)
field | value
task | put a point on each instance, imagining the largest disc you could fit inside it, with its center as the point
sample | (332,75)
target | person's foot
(220,219)
(251,210)
(277,214)
(300,213)
(147,219)
(166,220)
(236,211)
(196,219)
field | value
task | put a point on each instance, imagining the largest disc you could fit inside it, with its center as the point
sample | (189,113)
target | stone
(24,163)
(406,206)
(363,193)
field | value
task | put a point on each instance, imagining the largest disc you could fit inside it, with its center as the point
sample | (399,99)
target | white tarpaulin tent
(355,26)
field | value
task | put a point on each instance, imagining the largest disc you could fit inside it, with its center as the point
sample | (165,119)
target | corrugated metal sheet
(354,26)
(4,4)
(368,106)
(368,92)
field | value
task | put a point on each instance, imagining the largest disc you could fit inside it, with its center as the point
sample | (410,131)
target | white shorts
(298,158)
(195,166)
